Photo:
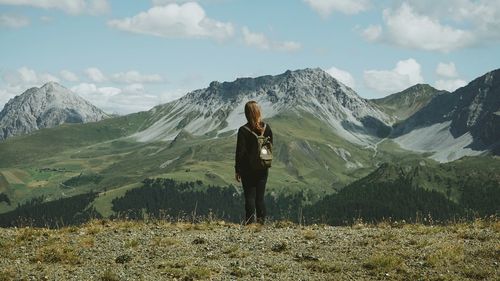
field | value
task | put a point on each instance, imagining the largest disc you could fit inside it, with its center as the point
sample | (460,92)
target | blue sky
(127,56)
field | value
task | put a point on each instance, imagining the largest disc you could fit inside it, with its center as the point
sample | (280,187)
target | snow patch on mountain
(237,118)
(438,139)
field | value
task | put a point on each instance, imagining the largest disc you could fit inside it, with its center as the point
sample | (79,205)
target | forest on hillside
(163,198)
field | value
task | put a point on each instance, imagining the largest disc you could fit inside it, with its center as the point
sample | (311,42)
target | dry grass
(445,255)
(87,242)
(56,254)
(164,241)
(384,263)
(223,251)
(109,275)
(309,234)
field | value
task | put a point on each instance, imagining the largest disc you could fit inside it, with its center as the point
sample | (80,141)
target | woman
(253,180)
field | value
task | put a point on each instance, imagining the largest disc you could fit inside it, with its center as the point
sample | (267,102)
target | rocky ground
(126,250)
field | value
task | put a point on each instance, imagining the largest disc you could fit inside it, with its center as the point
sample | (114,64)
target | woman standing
(252,177)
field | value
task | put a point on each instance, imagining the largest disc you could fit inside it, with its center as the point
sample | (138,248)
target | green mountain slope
(67,160)
(406,103)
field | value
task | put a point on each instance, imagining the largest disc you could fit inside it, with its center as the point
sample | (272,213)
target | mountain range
(326,137)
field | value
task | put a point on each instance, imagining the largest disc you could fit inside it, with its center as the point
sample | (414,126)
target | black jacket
(244,143)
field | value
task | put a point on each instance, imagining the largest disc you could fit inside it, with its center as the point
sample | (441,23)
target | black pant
(254,186)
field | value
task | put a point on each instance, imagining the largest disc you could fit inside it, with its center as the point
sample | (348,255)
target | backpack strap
(248,129)
(262,134)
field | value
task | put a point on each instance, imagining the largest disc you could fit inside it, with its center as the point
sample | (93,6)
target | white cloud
(349,7)
(134,88)
(449,74)
(131,98)
(372,32)
(482,15)
(441,26)
(69,76)
(447,70)
(450,85)
(409,29)
(129,77)
(134,76)
(261,41)
(406,74)
(14,21)
(178,21)
(28,77)
(95,75)
(343,76)
(68,6)
(89,89)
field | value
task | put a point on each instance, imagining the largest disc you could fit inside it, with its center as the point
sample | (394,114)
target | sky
(126,56)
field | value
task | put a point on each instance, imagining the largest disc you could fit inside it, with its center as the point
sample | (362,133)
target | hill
(404,104)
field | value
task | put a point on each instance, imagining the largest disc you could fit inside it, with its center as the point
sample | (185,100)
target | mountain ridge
(456,124)
(306,90)
(403,104)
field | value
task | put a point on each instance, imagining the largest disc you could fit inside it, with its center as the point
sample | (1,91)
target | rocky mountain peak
(219,107)
(55,88)
(48,106)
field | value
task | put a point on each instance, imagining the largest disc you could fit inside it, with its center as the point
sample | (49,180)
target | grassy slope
(23,150)
(404,104)
(305,159)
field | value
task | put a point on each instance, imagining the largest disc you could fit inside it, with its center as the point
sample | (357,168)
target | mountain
(219,108)
(45,107)
(404,104)
(453,125)
(326,137)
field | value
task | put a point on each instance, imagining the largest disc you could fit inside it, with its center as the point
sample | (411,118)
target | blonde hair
(253,115)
